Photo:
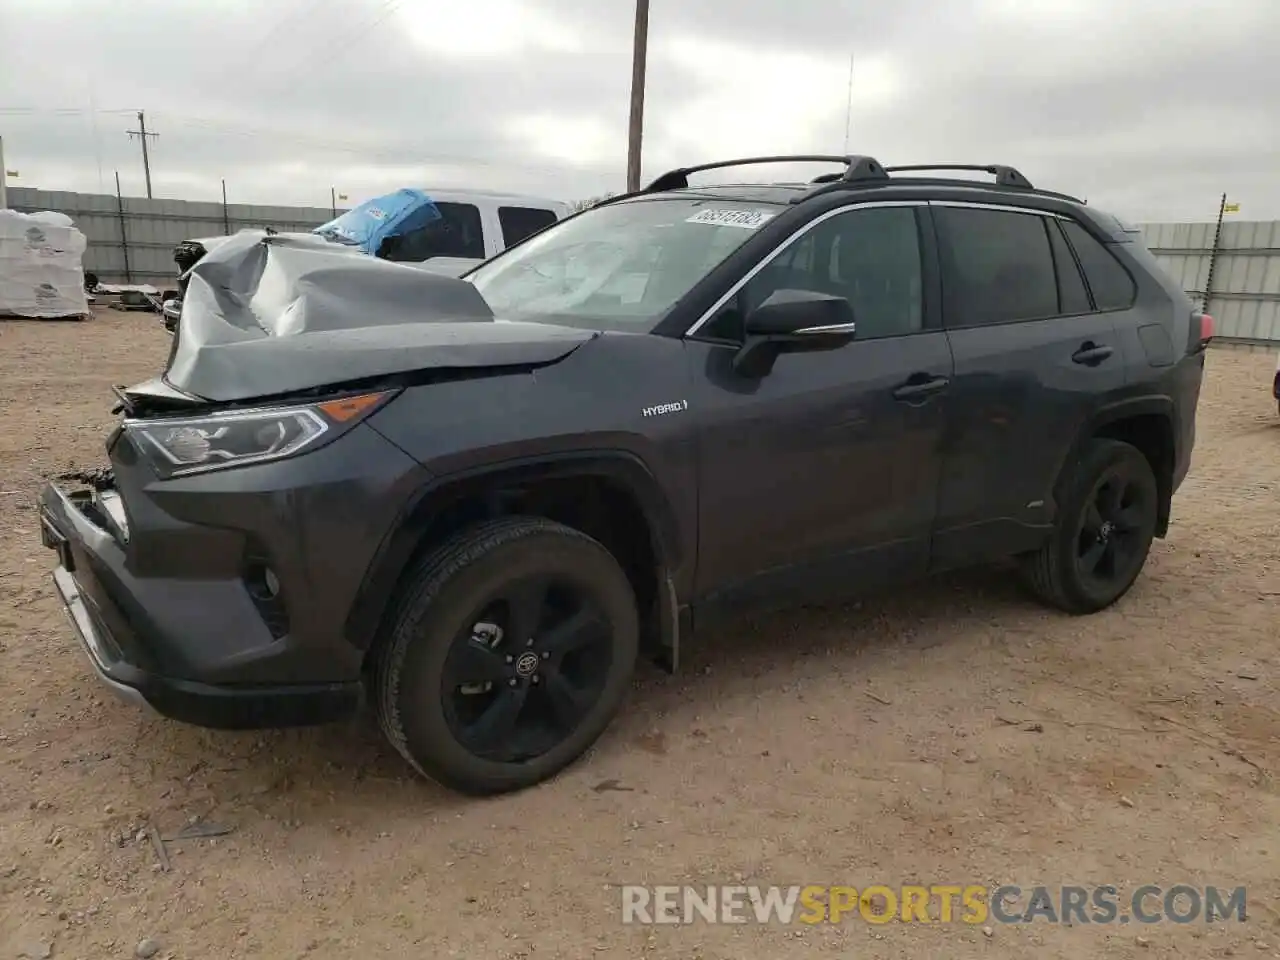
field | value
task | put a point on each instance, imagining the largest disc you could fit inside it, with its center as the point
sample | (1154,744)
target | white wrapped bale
(41,266)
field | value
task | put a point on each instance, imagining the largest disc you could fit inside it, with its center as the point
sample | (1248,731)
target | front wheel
(509,651)
(1106,522)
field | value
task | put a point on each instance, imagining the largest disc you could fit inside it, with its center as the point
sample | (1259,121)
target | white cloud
(486,29)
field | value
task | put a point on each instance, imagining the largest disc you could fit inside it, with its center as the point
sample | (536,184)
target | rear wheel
(1106,522)
(509,652)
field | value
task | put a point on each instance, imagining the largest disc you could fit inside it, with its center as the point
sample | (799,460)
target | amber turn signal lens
(349,408)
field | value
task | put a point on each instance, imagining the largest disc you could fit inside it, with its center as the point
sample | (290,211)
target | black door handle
(920,387)
(1091,354)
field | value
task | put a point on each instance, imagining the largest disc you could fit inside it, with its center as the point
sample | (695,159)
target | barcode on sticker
(748,219)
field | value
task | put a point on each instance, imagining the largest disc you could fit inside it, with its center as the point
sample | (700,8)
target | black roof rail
(1006,176)
(857,169)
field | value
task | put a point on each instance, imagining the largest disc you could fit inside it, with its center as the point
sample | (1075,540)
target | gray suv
(476,503)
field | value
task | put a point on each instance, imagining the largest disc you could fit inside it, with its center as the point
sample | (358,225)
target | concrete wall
(148,230)
(1245,299)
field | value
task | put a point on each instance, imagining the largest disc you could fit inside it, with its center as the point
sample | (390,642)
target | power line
(395,152)
(349,38)
(305,6)
(57,111)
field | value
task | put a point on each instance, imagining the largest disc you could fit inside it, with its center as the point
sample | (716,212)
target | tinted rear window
(1072,293)
(1109,281)
(521,222)
(1001,267)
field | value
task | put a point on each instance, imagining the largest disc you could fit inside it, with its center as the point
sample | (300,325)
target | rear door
(1032,356)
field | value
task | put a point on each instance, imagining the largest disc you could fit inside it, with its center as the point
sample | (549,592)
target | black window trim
(1050,225)
(1133,281)
(944,256)
(927,250)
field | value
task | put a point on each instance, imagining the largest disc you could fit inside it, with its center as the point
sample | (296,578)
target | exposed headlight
(234,438)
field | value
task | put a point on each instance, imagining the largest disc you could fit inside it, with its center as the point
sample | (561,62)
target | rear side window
(1109,281)
(456,234)
(1072,293)
(999,267)
(520,222)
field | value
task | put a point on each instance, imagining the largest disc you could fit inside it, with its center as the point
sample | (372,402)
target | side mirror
(800,313)
(792,321)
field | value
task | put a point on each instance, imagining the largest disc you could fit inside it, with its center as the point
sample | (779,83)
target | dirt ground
(952,733)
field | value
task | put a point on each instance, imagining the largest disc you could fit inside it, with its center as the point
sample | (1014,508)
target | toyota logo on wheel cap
(527,664)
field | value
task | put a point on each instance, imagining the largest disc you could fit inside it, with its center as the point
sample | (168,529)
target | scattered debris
(1126,802)
(605,786)
(100,478)
(1034,728)
(1246,676)
(877,699)
(988,932)
(162,855)
(200,830)
(1143,942)
(146,949)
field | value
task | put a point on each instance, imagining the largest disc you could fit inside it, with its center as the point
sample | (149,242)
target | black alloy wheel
(520,680)
(508,651)
(1108,509)
(1110,547)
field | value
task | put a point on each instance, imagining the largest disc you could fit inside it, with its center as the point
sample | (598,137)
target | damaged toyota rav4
(477,503)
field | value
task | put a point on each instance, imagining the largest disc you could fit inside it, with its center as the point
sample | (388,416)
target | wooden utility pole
(636,130)
(141,134)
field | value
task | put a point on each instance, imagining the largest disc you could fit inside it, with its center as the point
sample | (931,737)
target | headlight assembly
(233,438)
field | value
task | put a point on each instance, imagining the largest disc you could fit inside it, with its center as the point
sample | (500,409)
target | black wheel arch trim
(1114,412)
(620,466)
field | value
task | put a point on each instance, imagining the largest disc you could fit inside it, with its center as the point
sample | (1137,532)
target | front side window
(998,267)
(621,266)
(869,256)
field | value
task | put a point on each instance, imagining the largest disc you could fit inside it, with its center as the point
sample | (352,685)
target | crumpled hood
(273,314)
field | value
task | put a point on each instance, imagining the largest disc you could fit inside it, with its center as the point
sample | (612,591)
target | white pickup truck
(474,226)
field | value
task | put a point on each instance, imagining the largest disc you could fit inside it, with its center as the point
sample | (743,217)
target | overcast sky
(1150,108)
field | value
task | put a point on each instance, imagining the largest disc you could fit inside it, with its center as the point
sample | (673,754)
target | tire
(433,625)
(1058,572)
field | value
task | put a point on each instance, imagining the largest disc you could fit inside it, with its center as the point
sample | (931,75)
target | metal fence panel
(137,245)
(1245,300)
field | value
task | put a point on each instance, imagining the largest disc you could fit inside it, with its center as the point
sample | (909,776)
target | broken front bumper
(108,609)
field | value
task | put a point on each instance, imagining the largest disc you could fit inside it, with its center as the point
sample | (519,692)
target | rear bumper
(99,594)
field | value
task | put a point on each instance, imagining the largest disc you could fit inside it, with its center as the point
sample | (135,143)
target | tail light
(1201,330)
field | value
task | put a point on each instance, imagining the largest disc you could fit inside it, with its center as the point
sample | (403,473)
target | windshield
(618,267)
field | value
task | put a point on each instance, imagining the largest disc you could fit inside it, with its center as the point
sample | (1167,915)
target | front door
(819,479)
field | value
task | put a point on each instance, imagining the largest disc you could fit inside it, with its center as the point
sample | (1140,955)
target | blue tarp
(368,224)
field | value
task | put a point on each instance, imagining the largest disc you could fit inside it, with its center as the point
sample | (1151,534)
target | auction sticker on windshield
(748,219)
